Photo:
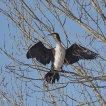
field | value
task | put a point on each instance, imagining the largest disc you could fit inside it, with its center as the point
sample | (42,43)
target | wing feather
(76,52)
(41,53)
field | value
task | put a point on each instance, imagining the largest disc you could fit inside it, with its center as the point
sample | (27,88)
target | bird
(58,56)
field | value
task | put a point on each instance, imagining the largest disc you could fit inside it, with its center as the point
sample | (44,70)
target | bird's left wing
(41,53)
(76,52)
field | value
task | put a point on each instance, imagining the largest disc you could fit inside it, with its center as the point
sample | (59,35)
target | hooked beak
(52,34)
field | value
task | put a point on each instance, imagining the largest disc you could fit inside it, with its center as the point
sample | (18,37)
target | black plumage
(41,53)
(44,55)
(76,52)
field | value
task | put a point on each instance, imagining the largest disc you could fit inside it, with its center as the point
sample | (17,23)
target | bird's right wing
(41,53)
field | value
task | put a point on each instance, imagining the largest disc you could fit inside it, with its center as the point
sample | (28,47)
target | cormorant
(58,56)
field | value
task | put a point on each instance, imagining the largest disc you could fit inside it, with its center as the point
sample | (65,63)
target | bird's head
(56,37)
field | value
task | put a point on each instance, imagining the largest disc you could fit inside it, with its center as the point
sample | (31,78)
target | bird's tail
(51,76)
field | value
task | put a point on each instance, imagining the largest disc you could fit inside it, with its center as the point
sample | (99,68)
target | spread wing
(41,53)
(76,52)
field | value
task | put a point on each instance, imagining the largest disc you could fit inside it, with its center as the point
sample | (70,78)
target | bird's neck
(58,43)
